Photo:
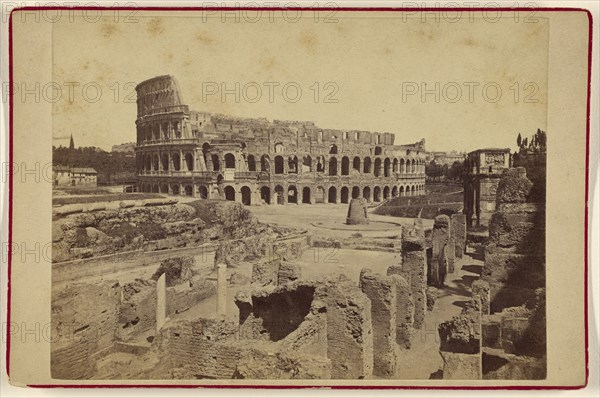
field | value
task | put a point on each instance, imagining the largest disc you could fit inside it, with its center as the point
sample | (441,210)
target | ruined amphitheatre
(258,250)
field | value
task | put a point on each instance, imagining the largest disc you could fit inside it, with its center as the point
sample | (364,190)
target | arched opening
(246,196)
(265,194)
(306,195)
(355,192)
(402,191)
(203,191)
(356,164)
(395,165)
(229,161)
(189,190)
(332,196)
(377,194)
(216,163)
(345,166)
(278,164)
(156,136)
(320,164)
(307,164)
(148,163)
(394,191)
(367,193)
(155,162)
(164,188)
(264,163)
(333,149)
(165,161)
(155,188)
(229,193)
(278,193)
(344,193)
(412,170)
(333,166)
(377,169)
(413,190)
(386,193)
(320,195)
(176,162)
(189,161)
(367,166)
(402,166)
(378,148)
(292,194)
(251,163)
(386,167)
(175,189)
(293,165)
(279,148)
(220,179)
(165,128)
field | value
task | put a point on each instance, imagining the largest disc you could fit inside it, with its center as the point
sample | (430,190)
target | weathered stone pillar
(161,302)
(458,229)
(414,264)
(405,310)
(221,290)
(381,290)
(438,265)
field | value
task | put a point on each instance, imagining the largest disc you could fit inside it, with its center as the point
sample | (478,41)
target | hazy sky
(373,67)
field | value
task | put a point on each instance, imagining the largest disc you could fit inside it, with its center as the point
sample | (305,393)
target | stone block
(288,272)
(405,311)
(481,289)
(458,228)
(460,366)
(265,272)
(414,266)
(357,212)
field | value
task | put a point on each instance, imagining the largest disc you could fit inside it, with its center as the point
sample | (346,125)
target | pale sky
(370,63)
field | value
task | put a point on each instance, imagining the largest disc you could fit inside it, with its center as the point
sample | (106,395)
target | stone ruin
(448,242)
(357,212)
(501,333)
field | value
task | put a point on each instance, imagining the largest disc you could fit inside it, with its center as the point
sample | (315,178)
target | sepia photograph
(303,195)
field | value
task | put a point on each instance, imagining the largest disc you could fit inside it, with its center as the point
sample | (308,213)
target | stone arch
(320,164)
(279,194)
(367,193)
(156,135)
(402,166)
(189,161)
(203,191)
(229,193)
(175,189)
(377,194)
(292,194)
(155,161)
(293,164)
(395,165)
(148,162)
(344,195)
(333,166)
(165,130)
(378,148)
(155,188)
(246,195)
(386,167)
(332,194)
(278,164)
(164,188)
(320,195)
(386,192)
(229,161)
(367,166)
(165,161)
(355,192)
(307,164)
(251,160)
(176,161)
(279,147)
(377,169)
(413,190)
(394,191)
(189,190)
(412,169)
(306,195)
(345,166)
(265,194)
(333,149)
(356,164)
(401,191)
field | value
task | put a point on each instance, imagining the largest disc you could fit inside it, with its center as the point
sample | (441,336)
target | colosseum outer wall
(255,161)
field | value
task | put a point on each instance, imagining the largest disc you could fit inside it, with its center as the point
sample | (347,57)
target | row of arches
(332,166)
(160,131)
(280,194)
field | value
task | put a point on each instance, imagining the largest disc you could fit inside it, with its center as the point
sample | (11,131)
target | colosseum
(254,161)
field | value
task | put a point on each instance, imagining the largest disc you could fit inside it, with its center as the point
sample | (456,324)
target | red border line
(349,9)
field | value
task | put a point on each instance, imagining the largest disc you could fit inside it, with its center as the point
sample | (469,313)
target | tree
(519,139)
